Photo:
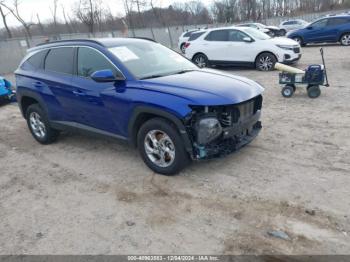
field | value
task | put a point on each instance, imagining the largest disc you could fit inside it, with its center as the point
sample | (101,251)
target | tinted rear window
(60,60)
(188,34)
(34,62)
(194,36)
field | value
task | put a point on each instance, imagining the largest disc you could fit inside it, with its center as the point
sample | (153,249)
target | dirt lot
(86,195)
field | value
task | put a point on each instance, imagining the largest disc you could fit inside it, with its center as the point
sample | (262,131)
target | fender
(32,94)
(158,112)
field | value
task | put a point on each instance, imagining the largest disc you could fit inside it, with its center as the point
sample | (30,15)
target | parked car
(294,24)
(270,30)
(329,29)
(184,38)
(6,92)
(139,91)
(242,46)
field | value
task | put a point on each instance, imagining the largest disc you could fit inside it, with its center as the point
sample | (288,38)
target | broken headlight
(207,130)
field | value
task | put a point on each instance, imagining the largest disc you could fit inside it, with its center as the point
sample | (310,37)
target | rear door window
(34,62)
(60,60)
(217,35)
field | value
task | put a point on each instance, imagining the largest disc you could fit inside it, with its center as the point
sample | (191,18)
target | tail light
(187,44)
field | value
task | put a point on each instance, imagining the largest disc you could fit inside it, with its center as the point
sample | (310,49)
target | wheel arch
(142,114)
(262,52)
(27,98)
(198,53)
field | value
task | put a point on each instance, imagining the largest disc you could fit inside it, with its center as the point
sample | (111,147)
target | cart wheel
(288,91)
(313,91)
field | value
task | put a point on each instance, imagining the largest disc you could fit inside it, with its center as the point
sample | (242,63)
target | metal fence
(13,50)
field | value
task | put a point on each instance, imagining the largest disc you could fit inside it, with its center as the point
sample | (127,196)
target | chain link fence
(13,50)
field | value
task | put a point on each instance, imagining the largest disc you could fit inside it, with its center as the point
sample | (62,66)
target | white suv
(242,46)
(183,39)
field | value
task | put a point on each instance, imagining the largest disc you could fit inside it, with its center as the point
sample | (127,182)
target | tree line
(90,16)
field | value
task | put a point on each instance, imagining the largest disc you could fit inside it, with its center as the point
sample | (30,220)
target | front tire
(265,62)
(288,91)
(39,125)
(201,60)
(345,39)
(161,147)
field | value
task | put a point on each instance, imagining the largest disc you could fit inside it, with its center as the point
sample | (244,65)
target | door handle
(38,84)
(79,93)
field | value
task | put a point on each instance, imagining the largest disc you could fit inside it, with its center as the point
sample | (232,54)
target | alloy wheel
(37,125)
(159,147)
(298,39)
(345,40)
(200,61)
(265,63)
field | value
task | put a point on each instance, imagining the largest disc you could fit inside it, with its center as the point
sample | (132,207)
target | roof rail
(71,40)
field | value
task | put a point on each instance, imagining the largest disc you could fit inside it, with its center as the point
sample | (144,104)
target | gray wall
(12,51)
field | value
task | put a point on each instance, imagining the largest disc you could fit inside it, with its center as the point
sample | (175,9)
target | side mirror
(106,75)
(247,39)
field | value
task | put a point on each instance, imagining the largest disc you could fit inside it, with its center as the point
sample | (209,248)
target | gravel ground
(87,195)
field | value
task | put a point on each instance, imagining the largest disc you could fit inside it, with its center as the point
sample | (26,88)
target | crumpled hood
(206,87)
(272,27)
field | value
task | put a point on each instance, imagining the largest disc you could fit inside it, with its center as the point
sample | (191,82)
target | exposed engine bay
(220,130)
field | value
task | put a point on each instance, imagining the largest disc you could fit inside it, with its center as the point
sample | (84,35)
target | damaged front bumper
(217,131)
(234,139)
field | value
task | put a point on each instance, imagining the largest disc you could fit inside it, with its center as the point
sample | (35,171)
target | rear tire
(313,91)
(201,60)
(39,125)
(183,48)
(283,32)
(299,40)
(265,62)
(161,147)
(345,39)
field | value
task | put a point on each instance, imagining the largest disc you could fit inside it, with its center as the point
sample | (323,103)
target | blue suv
(139,91)
(330,29)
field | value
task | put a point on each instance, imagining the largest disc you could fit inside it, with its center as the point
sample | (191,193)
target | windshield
(260,25)
(149,59)
(256,34)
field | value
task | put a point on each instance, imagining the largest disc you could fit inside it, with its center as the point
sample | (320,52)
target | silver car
(290,25)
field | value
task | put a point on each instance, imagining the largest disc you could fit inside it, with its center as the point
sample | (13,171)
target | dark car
(139,91)
(330,29)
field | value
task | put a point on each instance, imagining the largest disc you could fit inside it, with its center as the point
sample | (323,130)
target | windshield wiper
(167,74)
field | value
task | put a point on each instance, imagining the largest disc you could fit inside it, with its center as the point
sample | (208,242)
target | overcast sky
(29,8)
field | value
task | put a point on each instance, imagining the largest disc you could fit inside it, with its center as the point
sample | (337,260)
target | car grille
(232,114)
(296,50)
